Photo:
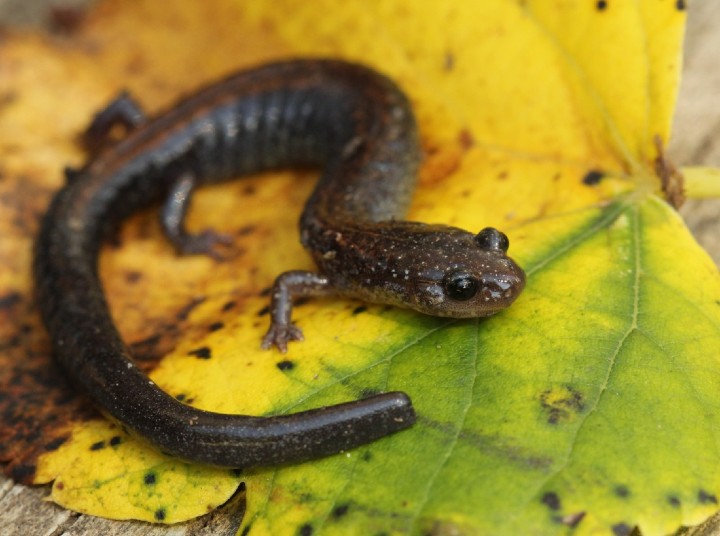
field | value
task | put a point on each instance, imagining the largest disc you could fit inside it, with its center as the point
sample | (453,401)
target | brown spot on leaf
(133,276)
(466,139)
(246,230)
(705,497)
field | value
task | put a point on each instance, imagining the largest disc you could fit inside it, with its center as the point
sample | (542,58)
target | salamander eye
(461,286)
(492,239)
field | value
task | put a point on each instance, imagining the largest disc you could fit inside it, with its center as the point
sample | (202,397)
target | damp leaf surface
(590,405)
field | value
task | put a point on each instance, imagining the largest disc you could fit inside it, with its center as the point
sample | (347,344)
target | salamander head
(476,277)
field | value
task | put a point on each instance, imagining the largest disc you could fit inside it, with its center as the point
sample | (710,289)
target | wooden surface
(23,512)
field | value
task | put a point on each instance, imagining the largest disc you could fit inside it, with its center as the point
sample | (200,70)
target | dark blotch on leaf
(246,531)
(704,497)
(622,529)
(216,326)
(286,365)
(551,500)
(187,309)
(265,310)
(98,446)
(673,501)
(601,5)
(306,530)
(115,441)
(593,177)
(680,5)
(22,472)
(55,443)
(180,397)
(367,456)
(561,403)
(201,353)
(622,491)
(340,511)
(160,514)
(150,478)
(10,299)
(228,305)
(359,309)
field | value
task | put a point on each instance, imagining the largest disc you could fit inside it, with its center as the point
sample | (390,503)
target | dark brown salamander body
(358,127)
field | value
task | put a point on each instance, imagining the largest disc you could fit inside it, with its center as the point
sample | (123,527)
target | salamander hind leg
(123,112)
(173,221)
(288,286)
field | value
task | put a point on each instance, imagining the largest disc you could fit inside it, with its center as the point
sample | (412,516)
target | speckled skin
(347,119)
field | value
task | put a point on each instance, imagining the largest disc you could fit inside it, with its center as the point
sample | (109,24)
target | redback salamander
(345,119)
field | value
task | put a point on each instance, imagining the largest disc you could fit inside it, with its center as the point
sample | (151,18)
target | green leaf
(592,404)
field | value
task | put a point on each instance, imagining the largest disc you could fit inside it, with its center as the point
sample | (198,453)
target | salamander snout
(502,288)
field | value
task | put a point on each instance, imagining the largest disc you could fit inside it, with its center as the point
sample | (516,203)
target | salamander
(347,120)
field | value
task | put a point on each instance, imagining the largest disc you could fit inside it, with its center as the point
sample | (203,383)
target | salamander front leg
(173,222)
(123,112)
(288,286)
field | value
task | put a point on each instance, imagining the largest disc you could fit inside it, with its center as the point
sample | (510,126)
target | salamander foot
(279,335)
